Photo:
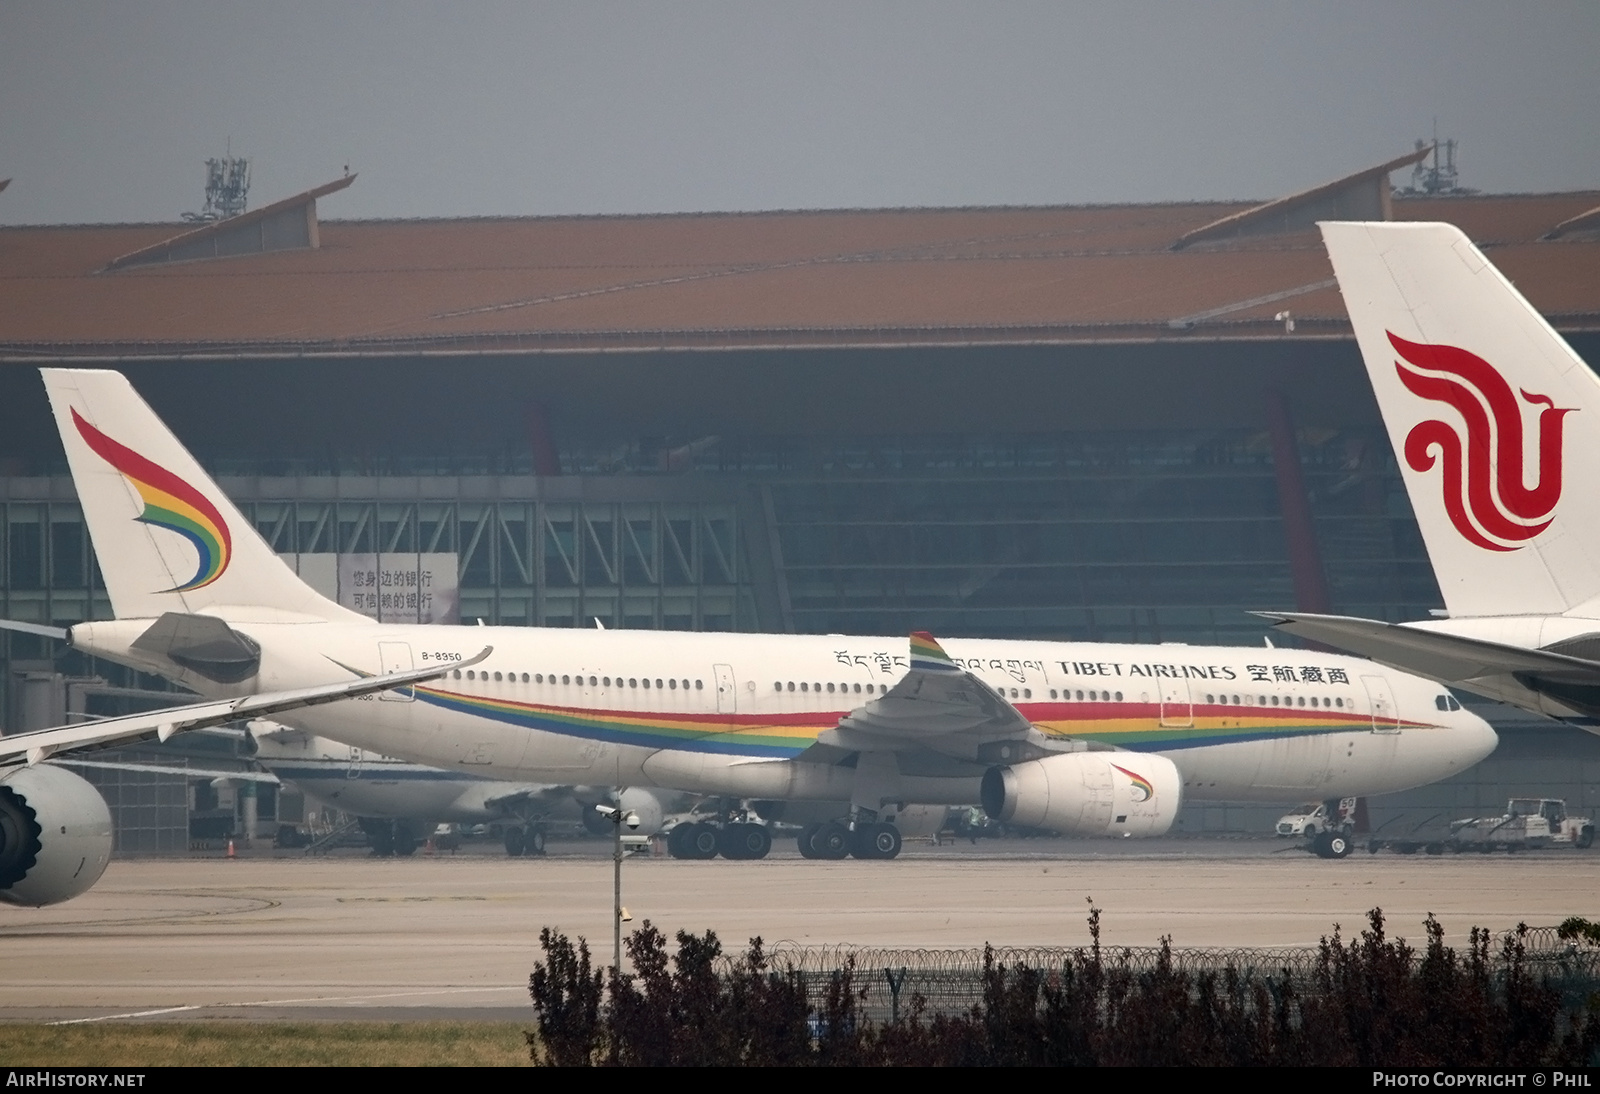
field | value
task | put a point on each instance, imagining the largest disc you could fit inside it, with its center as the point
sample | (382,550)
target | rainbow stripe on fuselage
(1135,726)
(169,503)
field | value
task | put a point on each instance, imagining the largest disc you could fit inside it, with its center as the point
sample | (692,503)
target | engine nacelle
(1087,793)
(55,835)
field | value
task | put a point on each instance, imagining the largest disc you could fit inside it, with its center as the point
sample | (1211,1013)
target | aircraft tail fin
(167,539)
(1487,408)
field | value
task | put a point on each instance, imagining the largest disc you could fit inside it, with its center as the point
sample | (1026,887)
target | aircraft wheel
(516,842)
(832,841)
(877,841)
(1339,845)
(1319,846)
(535,841)
(744,841)
(807,834)
(405,838)
(678,841)
(380,836)
(730,843)
(757,841)
(702,841)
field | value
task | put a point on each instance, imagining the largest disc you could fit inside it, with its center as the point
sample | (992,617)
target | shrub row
(1372,1002)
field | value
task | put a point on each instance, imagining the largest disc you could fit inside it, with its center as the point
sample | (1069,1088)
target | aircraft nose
(1478,738)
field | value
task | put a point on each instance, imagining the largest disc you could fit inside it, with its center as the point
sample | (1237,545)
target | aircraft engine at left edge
(55,835)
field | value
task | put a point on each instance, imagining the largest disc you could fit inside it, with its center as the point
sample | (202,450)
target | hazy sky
(498,107)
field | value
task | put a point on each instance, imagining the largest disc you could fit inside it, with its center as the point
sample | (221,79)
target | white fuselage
(731,713)
(368,784)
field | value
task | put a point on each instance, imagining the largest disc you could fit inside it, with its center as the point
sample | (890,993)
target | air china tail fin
(166,538)
(1494,420)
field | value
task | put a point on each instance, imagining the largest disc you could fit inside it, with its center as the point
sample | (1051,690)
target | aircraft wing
(1448,658)
(529,793)
(162,724)
(175,769)
(936,705)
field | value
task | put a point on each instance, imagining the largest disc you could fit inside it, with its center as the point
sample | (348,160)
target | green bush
(1371,1002)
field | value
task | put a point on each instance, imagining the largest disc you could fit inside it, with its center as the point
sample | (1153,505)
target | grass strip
(229,1043)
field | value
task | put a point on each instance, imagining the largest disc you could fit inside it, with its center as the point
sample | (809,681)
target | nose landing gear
(1334,844)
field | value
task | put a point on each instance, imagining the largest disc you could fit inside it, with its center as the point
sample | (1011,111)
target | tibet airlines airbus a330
(1089,739)
(1496,424)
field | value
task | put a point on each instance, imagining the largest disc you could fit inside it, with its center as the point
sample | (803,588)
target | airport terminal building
(1119,423)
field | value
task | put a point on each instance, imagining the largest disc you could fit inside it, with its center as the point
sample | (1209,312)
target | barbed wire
(890,981)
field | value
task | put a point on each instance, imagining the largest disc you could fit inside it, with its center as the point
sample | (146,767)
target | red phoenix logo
(1484,489)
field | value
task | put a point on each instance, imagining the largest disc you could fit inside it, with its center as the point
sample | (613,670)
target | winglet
(928,656)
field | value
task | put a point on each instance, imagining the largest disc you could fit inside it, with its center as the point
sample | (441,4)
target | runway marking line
(314,999)
(400,899)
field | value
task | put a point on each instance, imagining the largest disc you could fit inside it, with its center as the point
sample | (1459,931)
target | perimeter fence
(951,981)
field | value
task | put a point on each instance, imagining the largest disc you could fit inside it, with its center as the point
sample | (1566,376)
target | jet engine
(55,835)
(1087,793)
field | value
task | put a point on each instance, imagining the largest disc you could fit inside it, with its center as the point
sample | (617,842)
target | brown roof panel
(885,277)
(1515,218)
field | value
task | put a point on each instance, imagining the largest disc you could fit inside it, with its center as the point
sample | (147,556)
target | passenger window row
(593,681)
(1288,701)
(870,689)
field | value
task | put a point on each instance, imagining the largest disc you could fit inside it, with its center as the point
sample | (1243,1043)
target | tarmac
(276,935)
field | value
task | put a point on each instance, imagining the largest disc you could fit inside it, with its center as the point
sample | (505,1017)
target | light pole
(617,817)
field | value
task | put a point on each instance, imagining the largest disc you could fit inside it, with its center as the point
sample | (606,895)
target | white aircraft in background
(55,829)
(398,804)
(1493,418)
(1083,738)
(374,787)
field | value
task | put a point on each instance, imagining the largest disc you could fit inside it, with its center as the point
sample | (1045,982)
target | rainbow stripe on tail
(169,503)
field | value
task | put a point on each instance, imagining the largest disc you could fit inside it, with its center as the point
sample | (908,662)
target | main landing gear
(389,837)
(707,840)
(834,840)
(732,832)
(528,840)
(735,834)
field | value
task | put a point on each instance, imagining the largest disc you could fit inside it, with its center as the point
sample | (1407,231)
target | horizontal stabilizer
(18,625)
(1449,658)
